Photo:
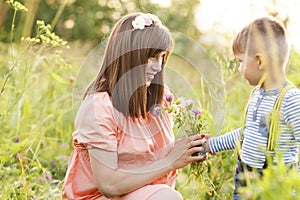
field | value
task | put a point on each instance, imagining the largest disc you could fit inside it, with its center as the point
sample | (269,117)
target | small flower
(182,102)
(17,139)
(141,21)
(40,179)
(148,20)
(169,97)
(156,111)
(178,101)
(55,182)
(197,111)
(21,183)
(154,18)
(190,121)
(17,5)
(188,103)
(54,164)
(48,177)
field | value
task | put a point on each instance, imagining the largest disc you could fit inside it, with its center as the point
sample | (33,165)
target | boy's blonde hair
(266,36)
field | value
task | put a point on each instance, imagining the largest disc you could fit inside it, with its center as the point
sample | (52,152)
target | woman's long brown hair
(122,74)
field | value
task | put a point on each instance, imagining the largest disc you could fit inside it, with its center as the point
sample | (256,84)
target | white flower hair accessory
(141,21)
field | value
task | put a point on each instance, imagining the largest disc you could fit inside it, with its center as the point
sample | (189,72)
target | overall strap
(274,119)
(246,112)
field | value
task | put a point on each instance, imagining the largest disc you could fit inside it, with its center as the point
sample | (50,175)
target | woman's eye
(157,56)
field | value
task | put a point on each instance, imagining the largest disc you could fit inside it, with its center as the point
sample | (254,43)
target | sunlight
(231,15)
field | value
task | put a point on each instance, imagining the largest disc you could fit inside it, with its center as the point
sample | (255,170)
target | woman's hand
(185,149)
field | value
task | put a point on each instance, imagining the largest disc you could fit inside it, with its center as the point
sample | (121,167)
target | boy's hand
(206,144)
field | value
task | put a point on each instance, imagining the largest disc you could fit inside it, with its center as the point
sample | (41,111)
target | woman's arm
(112,181)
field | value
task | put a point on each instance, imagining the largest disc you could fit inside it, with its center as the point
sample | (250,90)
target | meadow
(39,97)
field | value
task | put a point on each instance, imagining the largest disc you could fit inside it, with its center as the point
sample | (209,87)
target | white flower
(188,102)
(139,22)
(183,102)
(154,18)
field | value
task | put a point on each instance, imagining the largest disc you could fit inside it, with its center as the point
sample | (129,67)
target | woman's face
(154,66)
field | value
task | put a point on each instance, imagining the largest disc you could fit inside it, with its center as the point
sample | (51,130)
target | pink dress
(138,143)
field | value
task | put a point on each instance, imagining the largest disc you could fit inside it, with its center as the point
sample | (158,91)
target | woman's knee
(166,193)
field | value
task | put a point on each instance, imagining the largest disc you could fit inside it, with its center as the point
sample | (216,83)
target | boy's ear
(259,60)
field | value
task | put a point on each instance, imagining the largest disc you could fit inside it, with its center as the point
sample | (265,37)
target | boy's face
(250,68)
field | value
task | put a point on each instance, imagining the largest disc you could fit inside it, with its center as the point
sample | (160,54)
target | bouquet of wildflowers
(187,118)
(190,120)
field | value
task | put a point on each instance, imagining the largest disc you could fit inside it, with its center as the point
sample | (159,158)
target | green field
(40,89)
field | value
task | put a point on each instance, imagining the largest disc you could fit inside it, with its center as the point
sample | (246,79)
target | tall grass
(36,122)
(36,116)
(278,182)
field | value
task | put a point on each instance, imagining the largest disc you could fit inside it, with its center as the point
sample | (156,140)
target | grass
(37,120)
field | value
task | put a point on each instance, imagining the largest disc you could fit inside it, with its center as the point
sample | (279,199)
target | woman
(121,151)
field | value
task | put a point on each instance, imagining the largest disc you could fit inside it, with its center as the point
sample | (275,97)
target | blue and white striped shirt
(256,130)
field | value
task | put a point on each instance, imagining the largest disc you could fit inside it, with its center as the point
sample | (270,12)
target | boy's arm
(229,140)
(223,142)
(292,114)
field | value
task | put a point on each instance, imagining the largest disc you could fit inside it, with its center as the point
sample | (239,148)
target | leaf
(26,108)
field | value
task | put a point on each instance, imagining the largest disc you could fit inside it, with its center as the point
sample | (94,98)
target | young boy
(263,50)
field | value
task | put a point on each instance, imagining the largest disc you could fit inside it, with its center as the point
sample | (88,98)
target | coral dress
(138,142)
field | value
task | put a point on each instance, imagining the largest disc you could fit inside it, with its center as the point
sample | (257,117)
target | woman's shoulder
(98,103)
(98,98)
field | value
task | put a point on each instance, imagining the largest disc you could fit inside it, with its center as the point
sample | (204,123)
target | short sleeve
(95,125)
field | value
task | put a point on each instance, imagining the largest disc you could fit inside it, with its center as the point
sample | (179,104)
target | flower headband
(141,21)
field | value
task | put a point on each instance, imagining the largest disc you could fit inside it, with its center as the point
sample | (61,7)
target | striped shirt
(256,130)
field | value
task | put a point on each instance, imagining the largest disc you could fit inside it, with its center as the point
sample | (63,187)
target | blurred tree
(181,17)
(3,12)
(29,18)
(92,20)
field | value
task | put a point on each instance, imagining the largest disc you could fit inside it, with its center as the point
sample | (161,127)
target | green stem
(11,53)
(12,34)
(58,14)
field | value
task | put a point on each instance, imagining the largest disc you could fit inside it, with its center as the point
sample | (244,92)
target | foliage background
(37,82)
